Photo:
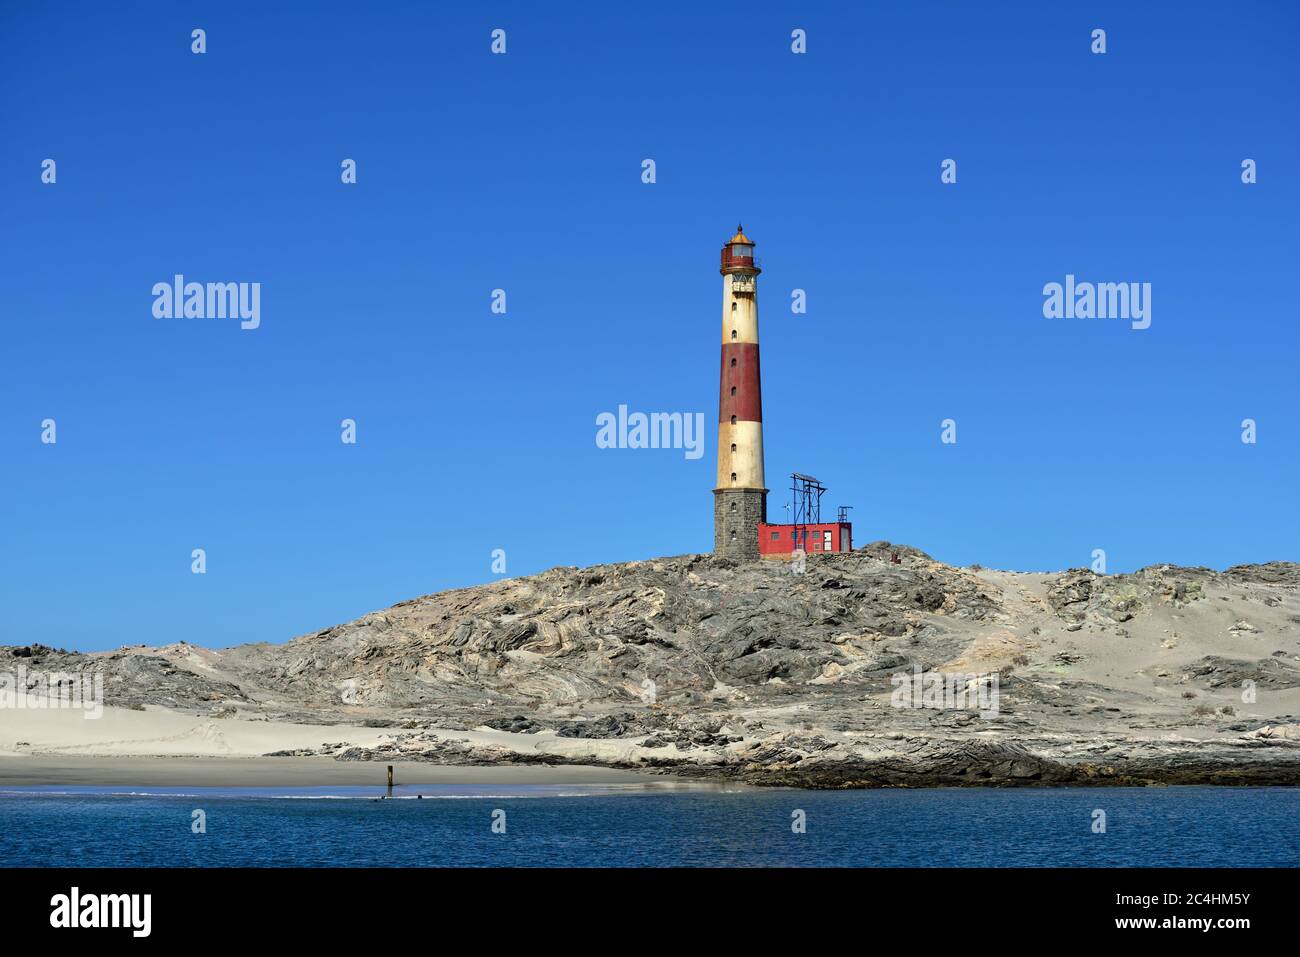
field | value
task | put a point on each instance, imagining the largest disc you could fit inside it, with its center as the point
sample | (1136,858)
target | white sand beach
(159,747)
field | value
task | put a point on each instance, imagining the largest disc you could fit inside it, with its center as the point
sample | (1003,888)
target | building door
(828,541)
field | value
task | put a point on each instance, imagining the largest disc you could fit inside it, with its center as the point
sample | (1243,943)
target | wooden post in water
(390,780)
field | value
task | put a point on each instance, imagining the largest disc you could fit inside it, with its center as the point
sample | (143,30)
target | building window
(733,446)
(733,420)
(776,536)
(733,534)
(733,506)
(733,305)
(733,333)
(733,390)
(733,476)
(733,362)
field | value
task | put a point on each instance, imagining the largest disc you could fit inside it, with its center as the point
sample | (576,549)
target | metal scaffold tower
(807,494)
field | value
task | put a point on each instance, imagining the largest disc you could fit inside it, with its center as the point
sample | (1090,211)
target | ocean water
(640,826)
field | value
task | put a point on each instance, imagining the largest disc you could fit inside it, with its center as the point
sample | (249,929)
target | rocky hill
(703,666)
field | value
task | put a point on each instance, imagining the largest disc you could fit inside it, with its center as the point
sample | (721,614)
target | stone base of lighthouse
(737,513)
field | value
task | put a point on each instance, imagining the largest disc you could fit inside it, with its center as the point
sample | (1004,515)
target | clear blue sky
(477,431)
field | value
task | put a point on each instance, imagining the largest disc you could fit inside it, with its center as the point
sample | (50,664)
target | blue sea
(537,826)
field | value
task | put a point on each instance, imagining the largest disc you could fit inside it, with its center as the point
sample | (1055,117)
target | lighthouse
(740,497)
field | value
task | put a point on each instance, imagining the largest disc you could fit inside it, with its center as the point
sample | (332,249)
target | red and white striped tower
(740,498)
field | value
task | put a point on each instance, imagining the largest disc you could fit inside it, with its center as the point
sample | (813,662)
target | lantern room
(738,254)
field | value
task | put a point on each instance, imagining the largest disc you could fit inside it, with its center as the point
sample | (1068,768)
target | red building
(780,541)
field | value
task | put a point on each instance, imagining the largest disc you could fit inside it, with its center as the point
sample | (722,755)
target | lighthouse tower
(740,498)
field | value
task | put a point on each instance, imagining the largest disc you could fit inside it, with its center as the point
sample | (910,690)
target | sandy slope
(157,731)
(162,747)
(159,746)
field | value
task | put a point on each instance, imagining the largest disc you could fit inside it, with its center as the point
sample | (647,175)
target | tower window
(733,446)
(733,390)
(733,362)
(733,506)
(733,476)
(733,420)
(733,333)
(733,534)
(733,305)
